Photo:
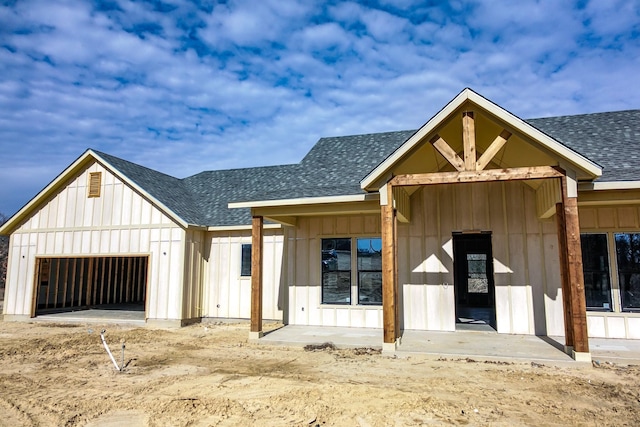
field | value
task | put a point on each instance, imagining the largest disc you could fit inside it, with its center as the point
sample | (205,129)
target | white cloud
(186,87)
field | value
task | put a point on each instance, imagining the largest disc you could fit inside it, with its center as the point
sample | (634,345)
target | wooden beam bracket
(447,152)
(493,149)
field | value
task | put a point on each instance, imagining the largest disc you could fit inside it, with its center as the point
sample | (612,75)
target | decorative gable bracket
(470,162)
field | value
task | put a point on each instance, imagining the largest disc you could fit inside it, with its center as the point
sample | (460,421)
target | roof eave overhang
(305,201)
(242,227)
(611,193)
(13,222)
(286,211)
(566,156)
(609,186)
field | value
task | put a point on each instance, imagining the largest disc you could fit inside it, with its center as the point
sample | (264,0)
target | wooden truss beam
(493,149)
(256,275)
(489,175)
(447,152)
(469,163)
(469,140)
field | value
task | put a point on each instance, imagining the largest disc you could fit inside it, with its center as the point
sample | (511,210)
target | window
(245,267)
(628,257)
(95,180)
(336,271)
(338,277)
(370,271)
(595,265)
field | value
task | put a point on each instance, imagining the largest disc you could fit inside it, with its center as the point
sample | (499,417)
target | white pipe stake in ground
(106,347)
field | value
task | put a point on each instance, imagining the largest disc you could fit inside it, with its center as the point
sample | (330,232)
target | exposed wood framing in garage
(89,281)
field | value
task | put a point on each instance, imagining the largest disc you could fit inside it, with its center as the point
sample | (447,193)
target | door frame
(463,244)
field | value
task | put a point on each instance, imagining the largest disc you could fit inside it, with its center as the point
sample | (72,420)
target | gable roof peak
(582,163)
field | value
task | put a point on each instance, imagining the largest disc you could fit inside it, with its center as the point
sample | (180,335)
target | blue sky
(184,86)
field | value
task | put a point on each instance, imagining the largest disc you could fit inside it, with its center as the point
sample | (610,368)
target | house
(478,217)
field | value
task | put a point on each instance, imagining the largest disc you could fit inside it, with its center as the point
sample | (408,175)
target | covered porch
(472,144)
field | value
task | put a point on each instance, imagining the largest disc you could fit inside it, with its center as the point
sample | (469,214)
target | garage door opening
(107,283)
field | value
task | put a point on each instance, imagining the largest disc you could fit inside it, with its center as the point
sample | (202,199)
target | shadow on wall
(4,254)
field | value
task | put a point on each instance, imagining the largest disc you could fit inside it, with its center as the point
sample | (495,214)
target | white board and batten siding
(528,294)
(194,274)
(304,276)
(611,220)
(227,293)
(118,223)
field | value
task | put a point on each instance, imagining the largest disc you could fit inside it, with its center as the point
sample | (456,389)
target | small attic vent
(95,179)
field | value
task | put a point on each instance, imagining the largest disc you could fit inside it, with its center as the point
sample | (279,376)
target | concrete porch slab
(459,344)
(293,335)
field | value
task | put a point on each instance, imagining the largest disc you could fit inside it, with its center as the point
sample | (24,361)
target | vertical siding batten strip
(505,218)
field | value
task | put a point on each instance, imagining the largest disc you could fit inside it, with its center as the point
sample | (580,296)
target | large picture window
(595,264)
(628,258)
(342,284)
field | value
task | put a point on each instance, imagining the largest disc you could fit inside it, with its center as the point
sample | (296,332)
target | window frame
(354,272)
(336,270)
(359,270)
(243,267)
(607,253)
(618,273)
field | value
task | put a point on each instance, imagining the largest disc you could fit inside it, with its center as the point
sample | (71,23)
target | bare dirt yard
(208,375)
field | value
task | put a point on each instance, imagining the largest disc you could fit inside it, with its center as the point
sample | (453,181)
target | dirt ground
(208,375)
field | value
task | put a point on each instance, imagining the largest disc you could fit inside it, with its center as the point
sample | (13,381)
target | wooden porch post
(564,268)
(388,271)
(256,278)
(574,274)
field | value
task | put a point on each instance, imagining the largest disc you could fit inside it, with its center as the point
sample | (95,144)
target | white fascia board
(242,227)
(527,129)
(408,145)
(609,185)
(46,190)
(305,201)
(176,218)
(515,122)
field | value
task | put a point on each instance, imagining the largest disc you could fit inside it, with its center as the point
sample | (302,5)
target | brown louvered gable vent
(95,179)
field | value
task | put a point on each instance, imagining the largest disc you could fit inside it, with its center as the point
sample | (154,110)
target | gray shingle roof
(170,191)
(612,140)
(335,166)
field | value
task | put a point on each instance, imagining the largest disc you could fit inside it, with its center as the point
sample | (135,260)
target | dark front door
(473,276)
